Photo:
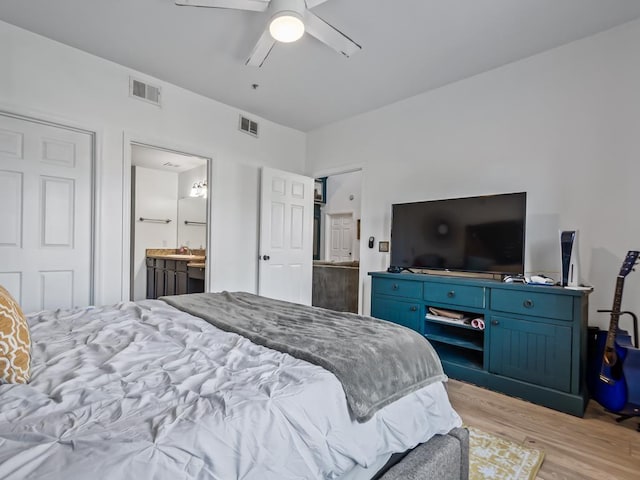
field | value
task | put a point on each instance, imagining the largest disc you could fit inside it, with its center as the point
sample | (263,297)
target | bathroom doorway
(169,222)
(336,263)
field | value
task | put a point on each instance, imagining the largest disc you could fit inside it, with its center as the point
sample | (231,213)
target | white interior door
(46,198)
(341,237)
(286,236)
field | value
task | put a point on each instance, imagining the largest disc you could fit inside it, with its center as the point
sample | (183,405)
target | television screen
(474,234)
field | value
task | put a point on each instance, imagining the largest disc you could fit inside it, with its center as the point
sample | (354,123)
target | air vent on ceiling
(144,91)
(248,126)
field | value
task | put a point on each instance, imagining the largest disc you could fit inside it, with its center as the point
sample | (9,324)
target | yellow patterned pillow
(15,341)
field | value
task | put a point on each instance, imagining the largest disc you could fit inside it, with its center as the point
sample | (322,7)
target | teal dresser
(534,344)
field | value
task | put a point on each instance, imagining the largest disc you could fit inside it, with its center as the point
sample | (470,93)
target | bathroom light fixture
(286,26)
(199,189)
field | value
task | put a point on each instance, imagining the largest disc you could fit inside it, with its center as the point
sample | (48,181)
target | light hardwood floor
(593,447)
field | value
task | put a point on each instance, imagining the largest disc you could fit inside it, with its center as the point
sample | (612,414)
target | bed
(147,390)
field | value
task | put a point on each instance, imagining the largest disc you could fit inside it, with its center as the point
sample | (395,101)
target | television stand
(534,341)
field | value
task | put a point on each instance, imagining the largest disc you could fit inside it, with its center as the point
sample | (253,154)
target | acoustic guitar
(610,386)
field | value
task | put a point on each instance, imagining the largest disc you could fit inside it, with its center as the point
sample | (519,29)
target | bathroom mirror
(192,222)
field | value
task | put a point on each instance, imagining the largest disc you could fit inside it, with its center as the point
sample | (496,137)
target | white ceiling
(158,159)
(408,46)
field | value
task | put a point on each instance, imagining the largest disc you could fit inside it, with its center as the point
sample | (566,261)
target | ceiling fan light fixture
(286,27)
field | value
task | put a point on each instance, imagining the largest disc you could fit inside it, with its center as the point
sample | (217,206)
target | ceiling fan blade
(324,32)
(252,5)
(262,50)
(313,3)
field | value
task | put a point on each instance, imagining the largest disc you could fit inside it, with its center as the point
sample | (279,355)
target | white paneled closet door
(45,214)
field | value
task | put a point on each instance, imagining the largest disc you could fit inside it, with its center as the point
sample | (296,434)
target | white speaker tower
(569,258)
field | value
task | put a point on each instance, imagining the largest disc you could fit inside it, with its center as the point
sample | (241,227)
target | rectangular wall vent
(248,126)
(144,91)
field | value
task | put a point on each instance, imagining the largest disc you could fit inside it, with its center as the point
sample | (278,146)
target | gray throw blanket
(376,361)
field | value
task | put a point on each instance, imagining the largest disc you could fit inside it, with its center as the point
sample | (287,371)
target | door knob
(266,257)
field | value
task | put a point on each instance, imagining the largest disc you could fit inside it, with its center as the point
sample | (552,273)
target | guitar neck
(615,313)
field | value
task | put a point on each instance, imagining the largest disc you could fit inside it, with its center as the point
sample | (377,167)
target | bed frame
(444,457)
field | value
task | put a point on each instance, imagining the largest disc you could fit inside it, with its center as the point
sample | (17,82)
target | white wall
(156,197)
(49,80)
(343,196)
(187,178)
(563,126)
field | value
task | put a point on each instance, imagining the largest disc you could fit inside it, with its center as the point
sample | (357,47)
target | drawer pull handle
(394,286)
(451,293)
(413,308)
(528,303)
(495,322)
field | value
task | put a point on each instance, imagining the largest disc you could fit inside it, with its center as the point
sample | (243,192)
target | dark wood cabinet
(151,278)
(172,277)
(159,276)
(181,283)
(181,278)
(195,279)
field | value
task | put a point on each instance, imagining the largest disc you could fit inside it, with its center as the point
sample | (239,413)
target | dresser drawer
(459,295)
(538,304)
(405,313)
(397,288)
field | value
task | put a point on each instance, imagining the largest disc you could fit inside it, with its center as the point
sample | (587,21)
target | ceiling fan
(288,21)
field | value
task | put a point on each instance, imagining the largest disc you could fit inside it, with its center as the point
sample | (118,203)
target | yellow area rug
(492,457)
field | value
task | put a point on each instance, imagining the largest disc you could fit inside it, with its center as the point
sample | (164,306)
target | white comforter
(144,391)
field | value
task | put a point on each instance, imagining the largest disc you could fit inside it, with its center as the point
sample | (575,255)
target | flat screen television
(473,234)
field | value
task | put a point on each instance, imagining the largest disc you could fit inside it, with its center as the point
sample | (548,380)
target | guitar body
(611,395)
(608,383)
(632,374)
